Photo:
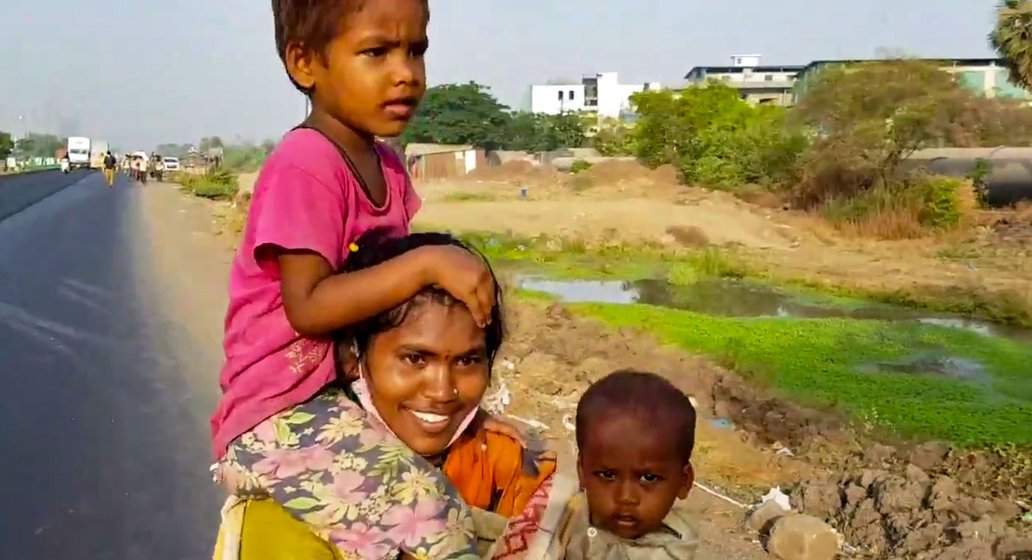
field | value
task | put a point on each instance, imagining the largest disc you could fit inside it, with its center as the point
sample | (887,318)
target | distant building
(756,83)
(602,94)
(984,76)
(428,162)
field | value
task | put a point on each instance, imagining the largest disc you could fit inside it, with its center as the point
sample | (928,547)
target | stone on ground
(802,537)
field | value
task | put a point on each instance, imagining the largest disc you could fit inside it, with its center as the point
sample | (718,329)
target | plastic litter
(777,496)
(722,423)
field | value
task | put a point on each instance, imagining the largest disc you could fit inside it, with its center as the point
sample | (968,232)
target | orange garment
(487,470)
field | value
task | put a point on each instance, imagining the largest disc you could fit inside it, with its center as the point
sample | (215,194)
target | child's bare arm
(319,302)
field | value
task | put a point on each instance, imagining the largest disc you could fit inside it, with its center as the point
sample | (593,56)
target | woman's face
(428,374)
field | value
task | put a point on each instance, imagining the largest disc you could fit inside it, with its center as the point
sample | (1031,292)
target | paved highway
(103,439)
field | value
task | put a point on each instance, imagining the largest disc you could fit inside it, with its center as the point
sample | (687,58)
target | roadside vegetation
(842,151)
(216,184)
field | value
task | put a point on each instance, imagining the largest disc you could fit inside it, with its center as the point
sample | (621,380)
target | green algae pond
(910,372)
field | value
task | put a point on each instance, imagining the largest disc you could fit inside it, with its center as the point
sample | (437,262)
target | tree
(464,114)
(210,143)
(525,133)
(38,145)
(174,150)
(670,126)
(535,132)
(6,145)
(614,138)
(244,157)
(1012,39)
(714,138)
(565,130)
(863,134)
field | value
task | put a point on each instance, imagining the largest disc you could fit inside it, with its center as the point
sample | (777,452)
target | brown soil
(912,514)
(515,171)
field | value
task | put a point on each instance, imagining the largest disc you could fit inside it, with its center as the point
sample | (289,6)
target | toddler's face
(374,74)
(631,475)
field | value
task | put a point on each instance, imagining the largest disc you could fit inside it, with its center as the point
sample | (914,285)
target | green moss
(818,362)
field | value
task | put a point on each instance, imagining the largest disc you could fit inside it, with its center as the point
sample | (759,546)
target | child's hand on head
(463,275)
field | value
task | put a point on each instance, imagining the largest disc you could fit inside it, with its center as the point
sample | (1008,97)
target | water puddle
(933,364)
(744,298)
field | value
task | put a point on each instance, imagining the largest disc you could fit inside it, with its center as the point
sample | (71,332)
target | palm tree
(1012,38)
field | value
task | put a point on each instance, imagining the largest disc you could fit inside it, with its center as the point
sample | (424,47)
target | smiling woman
(432,362)
(420,370)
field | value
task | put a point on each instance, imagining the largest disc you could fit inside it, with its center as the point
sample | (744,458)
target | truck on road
(78,152)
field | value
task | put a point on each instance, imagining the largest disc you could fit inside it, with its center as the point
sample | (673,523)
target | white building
(755,83)
(598,93)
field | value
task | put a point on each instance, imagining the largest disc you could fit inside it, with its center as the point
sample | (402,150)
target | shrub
(906,210)
(614,138)
(579,166)
(946,202)
(863,136)
(217,184)
(716,139)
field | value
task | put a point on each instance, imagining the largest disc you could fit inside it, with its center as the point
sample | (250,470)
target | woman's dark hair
(375,247)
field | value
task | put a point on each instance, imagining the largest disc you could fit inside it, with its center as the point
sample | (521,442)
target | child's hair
(649,398)
(375,248)
(312,23)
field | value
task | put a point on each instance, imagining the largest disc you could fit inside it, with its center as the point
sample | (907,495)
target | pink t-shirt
(306,197)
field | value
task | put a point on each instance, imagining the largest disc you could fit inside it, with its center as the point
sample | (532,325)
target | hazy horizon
(184,69)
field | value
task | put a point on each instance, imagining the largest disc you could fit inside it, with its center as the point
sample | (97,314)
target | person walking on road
(109,169)
(143,170)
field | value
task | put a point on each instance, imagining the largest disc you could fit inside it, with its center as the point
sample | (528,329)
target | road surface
(104,407)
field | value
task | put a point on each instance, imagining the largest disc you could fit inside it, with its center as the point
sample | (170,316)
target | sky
(178,70)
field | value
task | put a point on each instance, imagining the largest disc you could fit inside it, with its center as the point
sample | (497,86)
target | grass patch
(816,362)
(215,185)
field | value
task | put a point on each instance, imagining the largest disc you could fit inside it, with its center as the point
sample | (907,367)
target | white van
(171,163)
(78,152)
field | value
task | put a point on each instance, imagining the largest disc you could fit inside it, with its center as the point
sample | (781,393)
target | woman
(421,370)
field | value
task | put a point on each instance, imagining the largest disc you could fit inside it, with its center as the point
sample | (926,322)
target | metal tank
(1009,178)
